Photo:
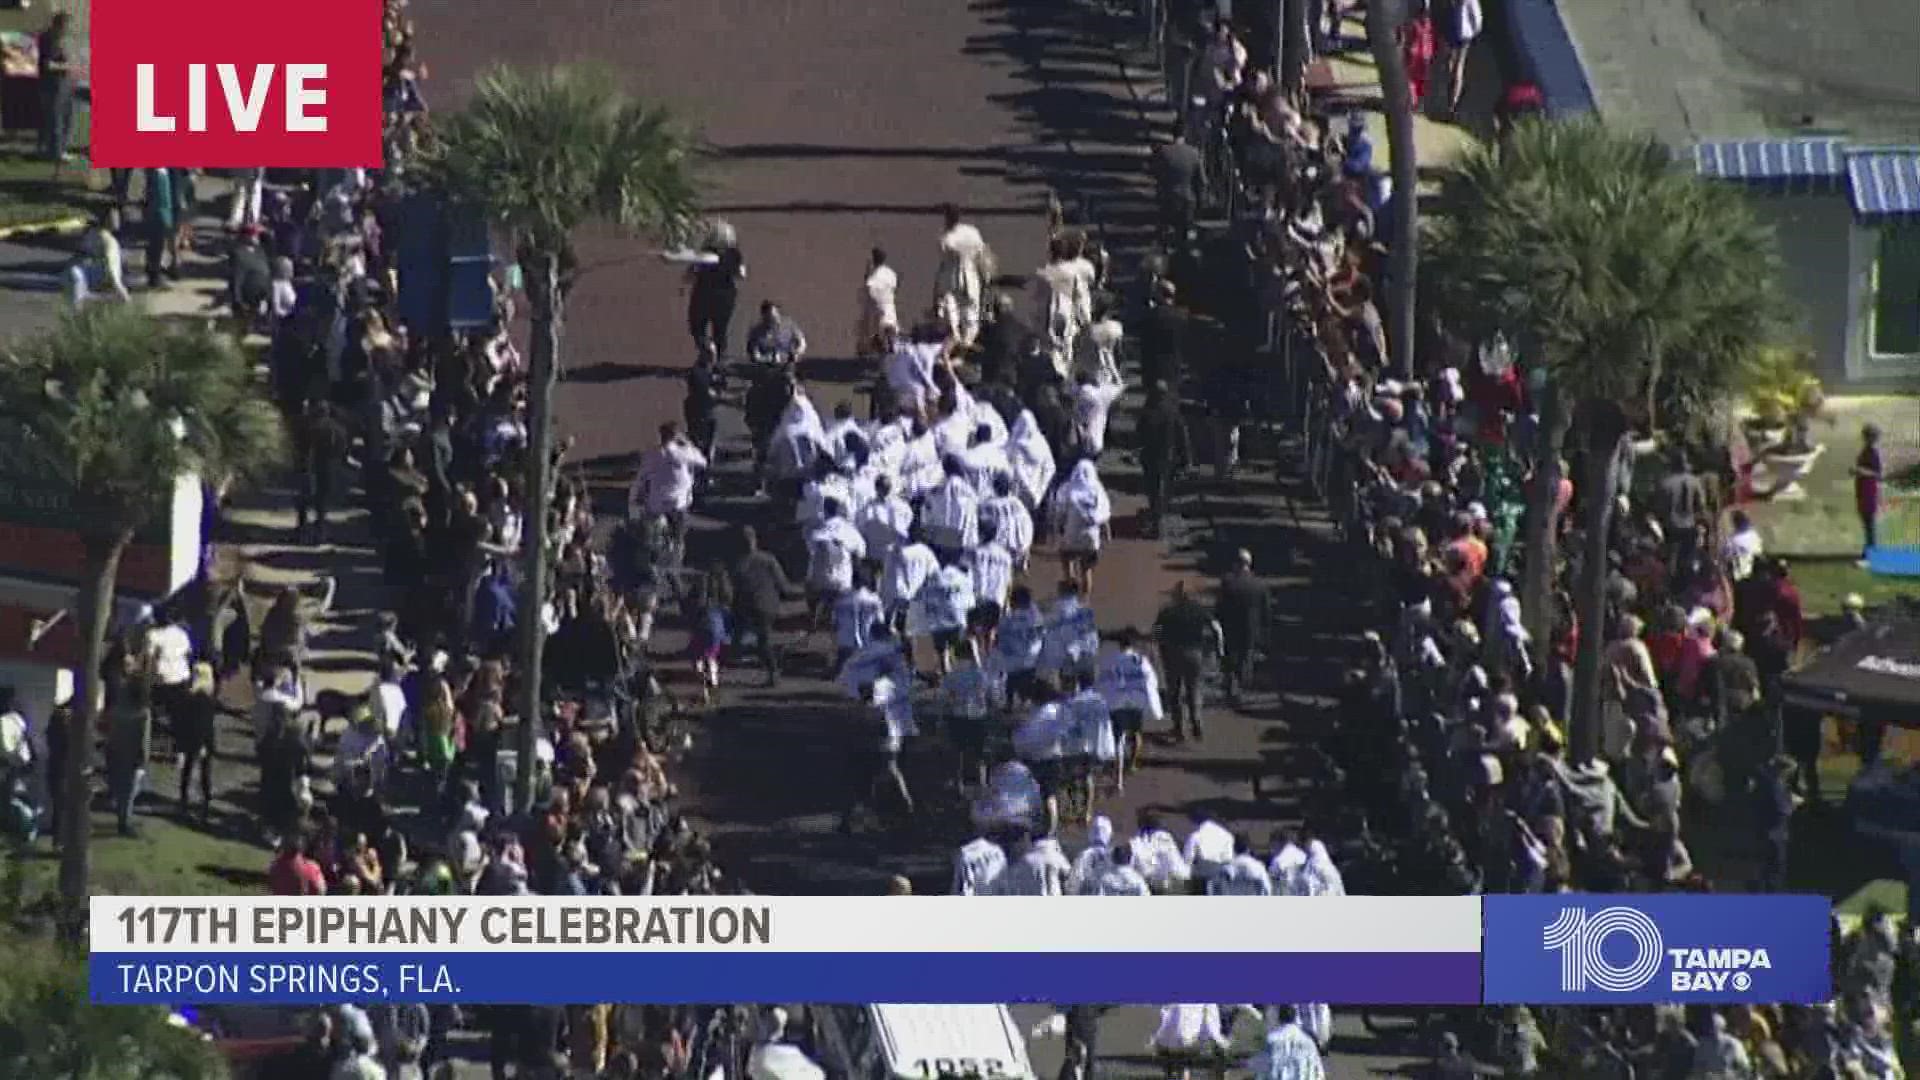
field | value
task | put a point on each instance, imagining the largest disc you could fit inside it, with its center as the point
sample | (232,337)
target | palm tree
(1403,258)
(1625,279)
(541,153)
(116,406)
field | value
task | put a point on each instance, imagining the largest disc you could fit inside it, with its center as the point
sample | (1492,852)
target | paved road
(841,125)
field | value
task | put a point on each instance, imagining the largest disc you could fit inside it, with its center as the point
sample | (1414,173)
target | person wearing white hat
(1095,860)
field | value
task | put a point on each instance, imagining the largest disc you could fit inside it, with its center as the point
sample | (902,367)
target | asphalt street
(840,125)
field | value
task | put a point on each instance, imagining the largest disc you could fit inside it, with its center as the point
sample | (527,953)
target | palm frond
(114,405)
(1614,266)
(544,151)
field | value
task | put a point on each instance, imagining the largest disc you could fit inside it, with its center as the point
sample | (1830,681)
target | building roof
(1693,71)
(1880,181)
(1884,181)
(1771,159)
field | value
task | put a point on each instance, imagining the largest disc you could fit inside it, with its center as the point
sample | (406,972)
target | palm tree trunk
(1403,259)
(1606,429)
(1543,527)
(102,555)
(542,376)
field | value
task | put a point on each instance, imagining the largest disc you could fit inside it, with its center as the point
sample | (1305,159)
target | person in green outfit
(439,729)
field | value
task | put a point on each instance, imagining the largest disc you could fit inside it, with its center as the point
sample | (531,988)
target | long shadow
(1081,100)
(824,206)
(818,151)
(608,371)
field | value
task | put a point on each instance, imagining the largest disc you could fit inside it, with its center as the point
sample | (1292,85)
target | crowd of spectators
(1451,770)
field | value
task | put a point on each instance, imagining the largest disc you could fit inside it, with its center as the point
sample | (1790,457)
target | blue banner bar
(1618,950)
(560,978)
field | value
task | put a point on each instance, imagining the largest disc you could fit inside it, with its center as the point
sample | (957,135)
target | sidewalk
(225,853)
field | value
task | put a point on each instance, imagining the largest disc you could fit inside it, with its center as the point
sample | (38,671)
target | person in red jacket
(292,873)
(1522,99)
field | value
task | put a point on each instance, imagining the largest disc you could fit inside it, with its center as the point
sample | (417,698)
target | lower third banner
(566,978)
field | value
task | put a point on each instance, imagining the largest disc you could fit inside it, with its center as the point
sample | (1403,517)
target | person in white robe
(1013,799)
(1321,876)
(904,576)
(1032,457)
(1157,855)
(1190,1035)
(977,867)
(1093,397)
(1290,1053)
(878,311)
(827,482)
(921,469)
(1100,349)
(950,513)
(1039,870)
(797,442)
(839,435)
(940,612)
(1121,878)
(1094,860)
(985,415)
(885,522)
(1243,875)
(986,460)
(1063,291)
(991,565)
(961,282)
(1288,867)
(908,369)
(1081,514)
(1011,521)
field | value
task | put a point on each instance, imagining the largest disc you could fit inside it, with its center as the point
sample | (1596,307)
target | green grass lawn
(168,858)
(29,191)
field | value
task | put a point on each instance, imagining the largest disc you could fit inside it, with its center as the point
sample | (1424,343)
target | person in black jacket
(193,736)
(714,290)
(323,446)
(1177,172)
(760,587)
(1244,611)
(1163,337)
(1165,450)
(249,280)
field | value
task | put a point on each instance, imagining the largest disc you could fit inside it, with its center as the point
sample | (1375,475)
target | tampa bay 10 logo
(1581,937)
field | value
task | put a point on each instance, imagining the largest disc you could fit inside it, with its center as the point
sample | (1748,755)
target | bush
(49,1028)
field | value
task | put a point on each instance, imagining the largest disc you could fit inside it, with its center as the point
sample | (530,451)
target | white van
(922,1042)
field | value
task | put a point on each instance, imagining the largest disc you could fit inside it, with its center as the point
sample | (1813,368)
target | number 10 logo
(1579,939)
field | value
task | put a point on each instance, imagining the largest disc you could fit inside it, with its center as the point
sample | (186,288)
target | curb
(70,224)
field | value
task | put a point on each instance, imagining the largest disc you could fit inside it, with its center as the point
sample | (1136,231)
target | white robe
(1033,465)
(1321,876)
(1063,292)
(878,311)
(960,284)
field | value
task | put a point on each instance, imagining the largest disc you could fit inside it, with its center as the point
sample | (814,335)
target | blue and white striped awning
(1884,181)
(1771,159)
